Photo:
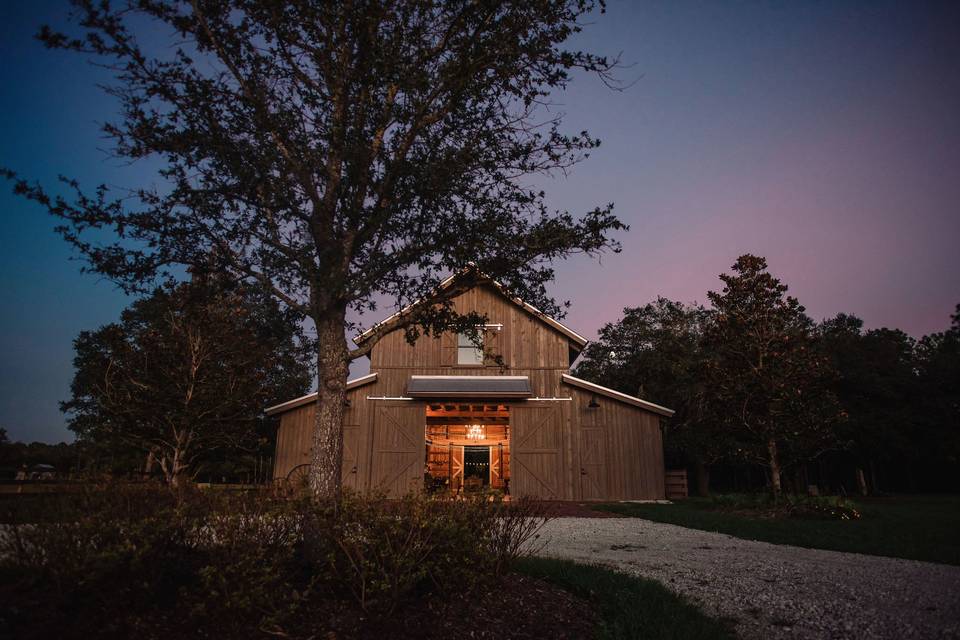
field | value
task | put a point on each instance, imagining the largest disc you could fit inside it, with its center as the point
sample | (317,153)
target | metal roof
(312,397)
(469,387)
(616,395)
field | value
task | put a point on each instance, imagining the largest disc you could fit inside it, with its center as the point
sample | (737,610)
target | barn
(439,415)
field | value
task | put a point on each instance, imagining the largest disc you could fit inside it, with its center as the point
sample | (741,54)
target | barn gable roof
(577,341)
(312,397)
(616,395)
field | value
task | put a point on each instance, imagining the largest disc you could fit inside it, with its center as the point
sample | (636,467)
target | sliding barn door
(536,442)
(398,448)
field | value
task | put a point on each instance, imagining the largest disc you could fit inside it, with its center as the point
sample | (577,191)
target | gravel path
(772,591)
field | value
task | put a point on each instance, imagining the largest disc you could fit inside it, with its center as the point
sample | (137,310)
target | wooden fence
(676,484)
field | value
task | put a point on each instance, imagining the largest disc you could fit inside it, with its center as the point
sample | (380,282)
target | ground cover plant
(629,607)
(143,561)
(912,527)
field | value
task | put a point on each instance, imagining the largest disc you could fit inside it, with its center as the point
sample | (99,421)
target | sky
(824,136)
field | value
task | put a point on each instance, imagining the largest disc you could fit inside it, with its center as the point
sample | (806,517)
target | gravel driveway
(772,591)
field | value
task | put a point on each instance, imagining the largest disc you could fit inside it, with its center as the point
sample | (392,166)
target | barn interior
(467,447)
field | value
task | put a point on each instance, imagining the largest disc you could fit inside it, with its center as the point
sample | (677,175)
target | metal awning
(469,387)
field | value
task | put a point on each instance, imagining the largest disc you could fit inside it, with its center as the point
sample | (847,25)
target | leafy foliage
(743,376)
(752,369)
(121,560)
(787,506)
(185,374)
(765,372)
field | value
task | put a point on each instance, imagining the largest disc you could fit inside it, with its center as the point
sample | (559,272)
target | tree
(877,386)
(938,421)
(337,153)
(656,352)
(186,373)
(765,371)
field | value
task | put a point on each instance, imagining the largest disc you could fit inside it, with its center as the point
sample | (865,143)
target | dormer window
(467,351)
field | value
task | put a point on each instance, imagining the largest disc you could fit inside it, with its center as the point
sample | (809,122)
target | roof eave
(312,397)
(616,395)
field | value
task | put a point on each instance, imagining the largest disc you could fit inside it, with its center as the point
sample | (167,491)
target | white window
(467,351)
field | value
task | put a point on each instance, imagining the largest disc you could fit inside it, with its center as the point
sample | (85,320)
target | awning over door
(469,387)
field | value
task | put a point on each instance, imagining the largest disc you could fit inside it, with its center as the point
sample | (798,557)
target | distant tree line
(767,397)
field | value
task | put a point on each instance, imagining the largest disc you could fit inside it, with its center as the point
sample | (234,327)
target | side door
(593,477)
(536,442)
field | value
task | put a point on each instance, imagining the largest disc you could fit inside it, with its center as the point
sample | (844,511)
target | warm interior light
(476,432)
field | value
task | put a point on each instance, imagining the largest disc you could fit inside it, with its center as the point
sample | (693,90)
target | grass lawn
(629,607)
(914,527)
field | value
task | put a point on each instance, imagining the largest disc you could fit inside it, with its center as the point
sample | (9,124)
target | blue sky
(822,135)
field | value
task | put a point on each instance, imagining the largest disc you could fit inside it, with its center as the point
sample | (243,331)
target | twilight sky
(824,136)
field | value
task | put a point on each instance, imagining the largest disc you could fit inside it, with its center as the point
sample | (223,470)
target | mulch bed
(516,607)
(577,510)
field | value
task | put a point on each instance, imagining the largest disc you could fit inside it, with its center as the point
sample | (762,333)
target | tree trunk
(862,482)
(150,463)
(703,479)
(773,458)
(333,366)
(874,480)
(174,469)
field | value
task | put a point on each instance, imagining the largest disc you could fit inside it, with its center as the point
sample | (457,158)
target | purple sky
(824,136)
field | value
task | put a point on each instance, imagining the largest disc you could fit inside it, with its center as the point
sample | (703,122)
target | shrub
(514,529)
(137,560)
(385,551)
(788,505)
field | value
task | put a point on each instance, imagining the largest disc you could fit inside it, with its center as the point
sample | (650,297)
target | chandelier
(476,432)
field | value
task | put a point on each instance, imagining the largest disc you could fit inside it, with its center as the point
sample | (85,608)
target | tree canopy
(875,406)
(185,374)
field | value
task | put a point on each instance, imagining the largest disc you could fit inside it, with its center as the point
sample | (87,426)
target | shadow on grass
(629,607)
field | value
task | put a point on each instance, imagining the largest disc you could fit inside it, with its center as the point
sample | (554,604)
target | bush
(788,506)
(385,551)
(129,560)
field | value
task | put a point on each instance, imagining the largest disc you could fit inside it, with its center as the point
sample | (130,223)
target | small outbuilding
(441,415)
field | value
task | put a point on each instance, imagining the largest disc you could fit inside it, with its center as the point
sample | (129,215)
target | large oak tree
(336,153)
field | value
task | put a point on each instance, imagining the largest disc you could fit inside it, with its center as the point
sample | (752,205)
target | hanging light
(476,432)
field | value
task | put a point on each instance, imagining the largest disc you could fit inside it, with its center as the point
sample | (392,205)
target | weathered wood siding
(524,342)
(619,449)
(295,438)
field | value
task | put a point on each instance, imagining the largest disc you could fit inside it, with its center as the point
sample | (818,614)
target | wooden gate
(398,448)
(593,476)
(456,467)
(536,464)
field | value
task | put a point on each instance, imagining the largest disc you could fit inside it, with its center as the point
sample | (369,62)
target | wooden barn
(439,415)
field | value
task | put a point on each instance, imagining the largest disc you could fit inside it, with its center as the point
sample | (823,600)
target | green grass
(629,607)
(913,527)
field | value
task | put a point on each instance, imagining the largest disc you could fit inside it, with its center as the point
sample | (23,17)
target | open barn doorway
(467,448)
